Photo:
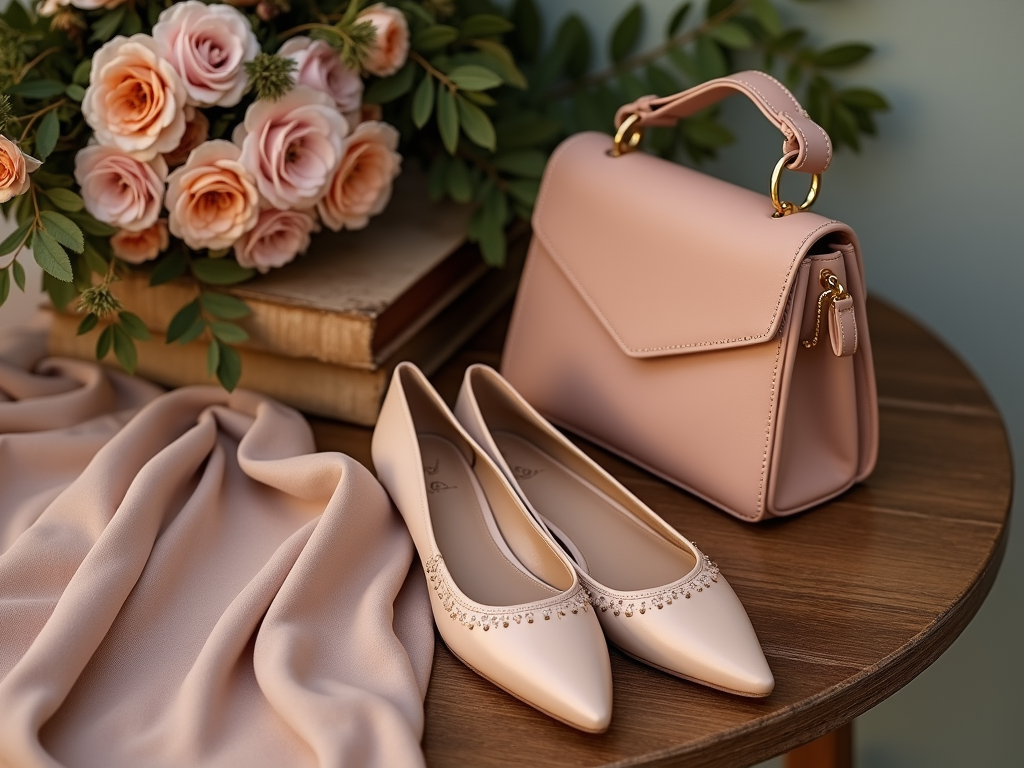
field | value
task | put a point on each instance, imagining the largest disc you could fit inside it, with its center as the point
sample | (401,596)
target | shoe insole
(620,550)
(469,539)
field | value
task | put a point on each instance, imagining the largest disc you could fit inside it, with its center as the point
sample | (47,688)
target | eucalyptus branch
(430,68)
(36,115)
(650,56)
(28,67)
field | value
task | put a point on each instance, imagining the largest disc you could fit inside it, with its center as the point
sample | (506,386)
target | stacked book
(327,330)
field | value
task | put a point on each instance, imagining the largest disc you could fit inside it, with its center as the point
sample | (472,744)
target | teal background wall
(937,202)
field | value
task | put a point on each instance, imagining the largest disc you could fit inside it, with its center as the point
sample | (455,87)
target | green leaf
(229,371)
(710,61)
(16,238)
(626,33)
(484,25)
(707,133)
(103,342)
(63,230)
(479,98)
(75,92)
(17,17)
(528,163)
(447,118)
(51,256)
(573,42)
(37,89)
(19,275)
(842,55)
(661,81)
(124,349)
(491,228)
(228,332)
(94,260)
(527,33)
(5,285)
(473,77)
(220,271)
(224,306)
(61,293)
(106,25)
(88,323)
(183,320)
(675,22)
(391,88)
(767,16)
(504,63)
(193,331)
(423,102)
(476,124)
(524,190)
(458,182)
(858,98)
(65,199)
(134,326)
(715,7)
(82,72)
(212,357)
(526,129)
(47,134)
(170,266)
(731,35)
(90,226)
(434,38)
(132,24)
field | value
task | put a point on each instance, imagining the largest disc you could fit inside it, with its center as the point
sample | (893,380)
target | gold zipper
(834,291)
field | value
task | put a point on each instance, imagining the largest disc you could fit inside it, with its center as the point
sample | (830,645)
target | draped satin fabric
(185,582)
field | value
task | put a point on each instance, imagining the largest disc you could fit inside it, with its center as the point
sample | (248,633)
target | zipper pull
(842,323)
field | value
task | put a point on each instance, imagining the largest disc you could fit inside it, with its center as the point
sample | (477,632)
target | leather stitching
(803,112)
(758,509)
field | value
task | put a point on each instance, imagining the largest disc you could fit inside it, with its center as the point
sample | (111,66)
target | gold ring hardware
(628,137)
(834,291)
(784,207)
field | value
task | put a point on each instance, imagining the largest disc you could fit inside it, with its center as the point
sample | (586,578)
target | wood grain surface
(851,600)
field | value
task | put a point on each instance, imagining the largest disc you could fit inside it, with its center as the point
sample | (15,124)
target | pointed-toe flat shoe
(658,597)
(506,599)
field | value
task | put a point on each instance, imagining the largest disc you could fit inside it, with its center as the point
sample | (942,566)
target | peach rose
(94,5)
(293,146)
(208,46)
(391,48)
(118,189)
(320,67)
(197,130)
(15,166)
(137,247)
(362,186)
(135,100)
(212,198)
(277,238)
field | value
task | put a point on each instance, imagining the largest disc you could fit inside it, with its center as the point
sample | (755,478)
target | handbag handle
(807,148)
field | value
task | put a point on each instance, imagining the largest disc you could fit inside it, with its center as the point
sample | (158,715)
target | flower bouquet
(213,140)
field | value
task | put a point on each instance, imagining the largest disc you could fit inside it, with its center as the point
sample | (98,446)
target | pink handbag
(713,335)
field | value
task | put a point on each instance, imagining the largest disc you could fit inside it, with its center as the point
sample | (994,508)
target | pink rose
(362,186)
(208,46)
(118,189)
(137,247)
(319,66)
(277,238)
(197,130)
(293,146)
(391,48)
(15,166)
(135,101)
(212,198)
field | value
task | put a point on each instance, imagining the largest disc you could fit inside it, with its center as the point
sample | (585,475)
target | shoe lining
(620,551)
(476,555)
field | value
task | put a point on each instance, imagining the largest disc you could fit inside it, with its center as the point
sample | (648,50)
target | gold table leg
(833,750)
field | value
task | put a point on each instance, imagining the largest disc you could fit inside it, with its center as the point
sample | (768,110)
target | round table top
(850,600)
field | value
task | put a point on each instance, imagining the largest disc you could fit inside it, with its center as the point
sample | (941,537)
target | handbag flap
(669,259)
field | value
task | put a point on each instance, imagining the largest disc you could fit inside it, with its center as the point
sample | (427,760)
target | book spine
(335,391)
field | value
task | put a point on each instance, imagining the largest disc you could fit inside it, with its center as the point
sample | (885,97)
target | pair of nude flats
(534,555)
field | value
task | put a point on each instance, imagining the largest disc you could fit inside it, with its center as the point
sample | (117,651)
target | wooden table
(851,600)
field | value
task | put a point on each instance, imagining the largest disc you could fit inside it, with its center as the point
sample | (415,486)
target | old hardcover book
(356,297)
(327,389)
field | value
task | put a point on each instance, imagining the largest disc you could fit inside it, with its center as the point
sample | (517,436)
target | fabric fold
(185,581)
